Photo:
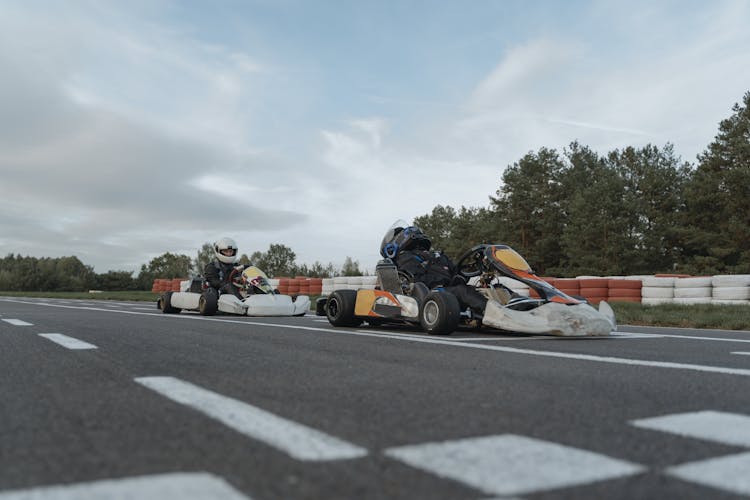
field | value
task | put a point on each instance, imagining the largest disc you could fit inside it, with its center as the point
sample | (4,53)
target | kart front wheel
(208,303)
(165,303)
(439,313)
(340,308)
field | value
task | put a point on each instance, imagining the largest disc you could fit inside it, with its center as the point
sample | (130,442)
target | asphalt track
(109,399)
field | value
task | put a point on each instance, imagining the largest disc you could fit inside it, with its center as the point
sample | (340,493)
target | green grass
(714,316)
(685,316)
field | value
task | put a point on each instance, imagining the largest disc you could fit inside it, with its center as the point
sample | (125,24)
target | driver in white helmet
(218,272)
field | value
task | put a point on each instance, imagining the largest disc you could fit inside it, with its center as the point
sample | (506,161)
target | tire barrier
(731,289)
(162,285)
(624,290)
(568,286)
(657,290)
(594,289)
(299,285)
(693,290)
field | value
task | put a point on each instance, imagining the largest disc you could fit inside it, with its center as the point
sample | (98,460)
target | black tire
(208,303)
(340,308)
(439,313)
(166,304)
(320,306)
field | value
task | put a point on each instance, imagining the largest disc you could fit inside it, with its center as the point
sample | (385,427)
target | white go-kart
(259,298)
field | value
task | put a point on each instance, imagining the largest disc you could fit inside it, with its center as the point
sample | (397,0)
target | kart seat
(388,276)
(419,291)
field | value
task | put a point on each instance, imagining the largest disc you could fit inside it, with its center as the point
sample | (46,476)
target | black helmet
(401,237)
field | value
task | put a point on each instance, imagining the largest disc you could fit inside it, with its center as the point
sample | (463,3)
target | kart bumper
(253,305)
(563,320)
(276,305)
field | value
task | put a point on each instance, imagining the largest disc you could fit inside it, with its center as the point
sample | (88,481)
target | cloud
(133,129)
(642,80)
(525,68)
(95,163)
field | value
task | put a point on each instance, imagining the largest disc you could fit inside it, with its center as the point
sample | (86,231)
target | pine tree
(654,183)
(596,236)
(716,227)
(527,208)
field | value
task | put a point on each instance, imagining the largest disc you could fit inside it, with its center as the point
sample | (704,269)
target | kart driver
(217,273)
(411,251)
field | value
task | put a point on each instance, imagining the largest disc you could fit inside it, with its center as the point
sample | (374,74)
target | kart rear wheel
(439,313)
(320,306)
(340,308)
(165,304)
(208,303)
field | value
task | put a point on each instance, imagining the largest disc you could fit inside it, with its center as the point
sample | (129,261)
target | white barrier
(720,289)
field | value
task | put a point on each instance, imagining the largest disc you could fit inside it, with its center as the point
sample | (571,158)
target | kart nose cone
(579,320)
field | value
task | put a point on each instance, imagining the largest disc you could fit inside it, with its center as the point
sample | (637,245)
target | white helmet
(226,250)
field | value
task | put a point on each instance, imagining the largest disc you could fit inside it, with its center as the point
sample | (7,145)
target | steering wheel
(236,278)
(405,279)
(471,263)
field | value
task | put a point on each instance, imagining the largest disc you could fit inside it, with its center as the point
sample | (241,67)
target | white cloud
(531,66)
(125,134)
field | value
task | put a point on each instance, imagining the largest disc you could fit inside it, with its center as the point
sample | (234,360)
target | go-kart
(259,298)
(397,298)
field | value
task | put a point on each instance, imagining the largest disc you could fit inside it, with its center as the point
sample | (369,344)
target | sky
(131,129)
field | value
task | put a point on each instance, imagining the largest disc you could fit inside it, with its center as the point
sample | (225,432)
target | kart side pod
(208,303)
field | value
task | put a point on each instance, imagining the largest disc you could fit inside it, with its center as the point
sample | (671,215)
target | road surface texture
(108,399)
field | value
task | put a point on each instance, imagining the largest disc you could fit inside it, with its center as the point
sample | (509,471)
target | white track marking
(182,485)
(512,465)
(466,345)
(299,441)
(715,426)
(68,342)
(445,339)
(742,353)
(688,329)
(729,473)
(17,322)
(635,335)
(714,339)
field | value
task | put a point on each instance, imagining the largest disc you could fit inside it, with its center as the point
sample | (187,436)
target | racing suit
(217,275)
(435,269)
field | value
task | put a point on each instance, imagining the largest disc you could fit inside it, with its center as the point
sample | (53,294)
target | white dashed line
(67,342)
(299,441)
(17,322)
(711,339)
(467,345)
(511,464)
(715,426)
(185,486)
(729,473)
(742,353)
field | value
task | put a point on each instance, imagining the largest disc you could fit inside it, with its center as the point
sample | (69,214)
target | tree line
(629,211)
(69,274)
(571,212)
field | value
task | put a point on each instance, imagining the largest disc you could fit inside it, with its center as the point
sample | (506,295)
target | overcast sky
(133,128)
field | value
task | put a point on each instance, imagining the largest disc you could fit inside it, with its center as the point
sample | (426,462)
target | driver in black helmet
(411,250)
